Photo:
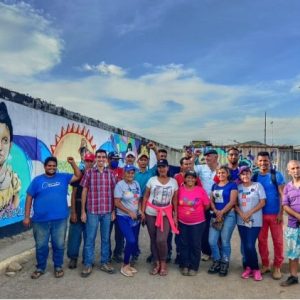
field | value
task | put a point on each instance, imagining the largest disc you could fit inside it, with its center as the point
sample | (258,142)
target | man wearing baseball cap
(207,174)
(77,227)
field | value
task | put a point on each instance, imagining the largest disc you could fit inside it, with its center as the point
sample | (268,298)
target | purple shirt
(291,198)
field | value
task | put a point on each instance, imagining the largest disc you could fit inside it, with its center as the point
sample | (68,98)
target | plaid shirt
(100,196)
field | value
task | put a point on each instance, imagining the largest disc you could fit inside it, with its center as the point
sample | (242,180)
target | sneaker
(72,264)
(149,259)
(86,271)
(117,258)
(205,257)
(265,269)
(247,273)
(224,268)
(107,268)
(125,270)
(290,281)
(257,275)
(185,271)
(214,268)
(192,272)
(276,274)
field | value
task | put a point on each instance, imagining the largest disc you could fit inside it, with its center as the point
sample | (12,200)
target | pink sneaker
(247,273)
(257,275)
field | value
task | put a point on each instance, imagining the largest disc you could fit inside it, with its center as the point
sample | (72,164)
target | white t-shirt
(248,198)
(160,194)
(206,176)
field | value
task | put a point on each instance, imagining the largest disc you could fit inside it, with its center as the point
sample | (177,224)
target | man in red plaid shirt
(97,196)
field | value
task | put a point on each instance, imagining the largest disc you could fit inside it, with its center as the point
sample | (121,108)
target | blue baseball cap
(128,168)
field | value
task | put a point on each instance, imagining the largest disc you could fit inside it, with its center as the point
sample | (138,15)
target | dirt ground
(143,285)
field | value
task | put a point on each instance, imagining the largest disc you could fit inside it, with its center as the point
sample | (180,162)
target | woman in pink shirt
(192,203)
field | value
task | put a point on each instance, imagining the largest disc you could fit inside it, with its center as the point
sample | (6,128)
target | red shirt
(100,196)
(180,180)
(119,173)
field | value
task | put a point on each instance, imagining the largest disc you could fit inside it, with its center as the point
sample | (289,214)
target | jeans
(248,239)
(119,240)
(92,224)
(190,238)
(76,233)
(205,248)
(269,221)
(225,233)
(42,231)
(131,236)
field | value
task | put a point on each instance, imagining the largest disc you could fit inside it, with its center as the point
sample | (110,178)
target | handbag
(218,225)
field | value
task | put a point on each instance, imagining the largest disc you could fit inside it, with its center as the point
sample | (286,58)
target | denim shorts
(292,238)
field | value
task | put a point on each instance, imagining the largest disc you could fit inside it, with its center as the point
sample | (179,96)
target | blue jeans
(248,240)
(223,252)
(131,236)
(92,224)
(76,233)
(42,231)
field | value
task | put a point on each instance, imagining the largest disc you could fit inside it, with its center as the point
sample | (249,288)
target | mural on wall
(22,155)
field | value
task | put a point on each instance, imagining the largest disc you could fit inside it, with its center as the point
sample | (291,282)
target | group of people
(201,205)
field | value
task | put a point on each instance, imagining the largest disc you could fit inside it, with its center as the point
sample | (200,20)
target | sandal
(163,272)
(155,270)
(36,274)
(58,273)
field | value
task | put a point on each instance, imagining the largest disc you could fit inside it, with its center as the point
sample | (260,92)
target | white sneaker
(133,270)
(205,257)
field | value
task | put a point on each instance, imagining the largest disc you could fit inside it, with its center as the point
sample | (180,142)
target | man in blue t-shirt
(273,183)
(48,194)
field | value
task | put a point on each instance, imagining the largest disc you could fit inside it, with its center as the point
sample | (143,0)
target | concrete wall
(41,129)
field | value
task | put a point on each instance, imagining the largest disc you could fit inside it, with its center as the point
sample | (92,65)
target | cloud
(105,69)
(29,44)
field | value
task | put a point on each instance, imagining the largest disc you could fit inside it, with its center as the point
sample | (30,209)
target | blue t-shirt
(143,177)
(221,194)
(272,201)
(50,197)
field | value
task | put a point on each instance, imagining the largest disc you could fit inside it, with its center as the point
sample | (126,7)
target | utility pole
(265,135)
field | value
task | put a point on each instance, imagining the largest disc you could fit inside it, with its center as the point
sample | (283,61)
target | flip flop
(36,274)
(155,270)
(163,272)
(58,273)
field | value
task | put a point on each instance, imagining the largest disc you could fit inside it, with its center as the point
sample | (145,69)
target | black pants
(205,248)
(119,239)
(190,237)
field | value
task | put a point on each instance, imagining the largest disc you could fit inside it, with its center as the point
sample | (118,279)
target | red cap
(89,156)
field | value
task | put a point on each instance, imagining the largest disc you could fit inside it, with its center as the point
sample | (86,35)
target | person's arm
(26,221)
(291,212)
(152,146)
(77,173)
(230,204)
(175,205)
(83,203)
(119,204)
(145,199)
(279,217)
(260,205)
(73,205)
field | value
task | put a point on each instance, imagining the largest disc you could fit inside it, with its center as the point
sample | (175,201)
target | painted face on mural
(4,143)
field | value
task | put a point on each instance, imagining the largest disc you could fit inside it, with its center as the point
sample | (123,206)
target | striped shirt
(100,185)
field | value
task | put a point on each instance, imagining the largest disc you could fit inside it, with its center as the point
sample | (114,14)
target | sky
(172,71)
